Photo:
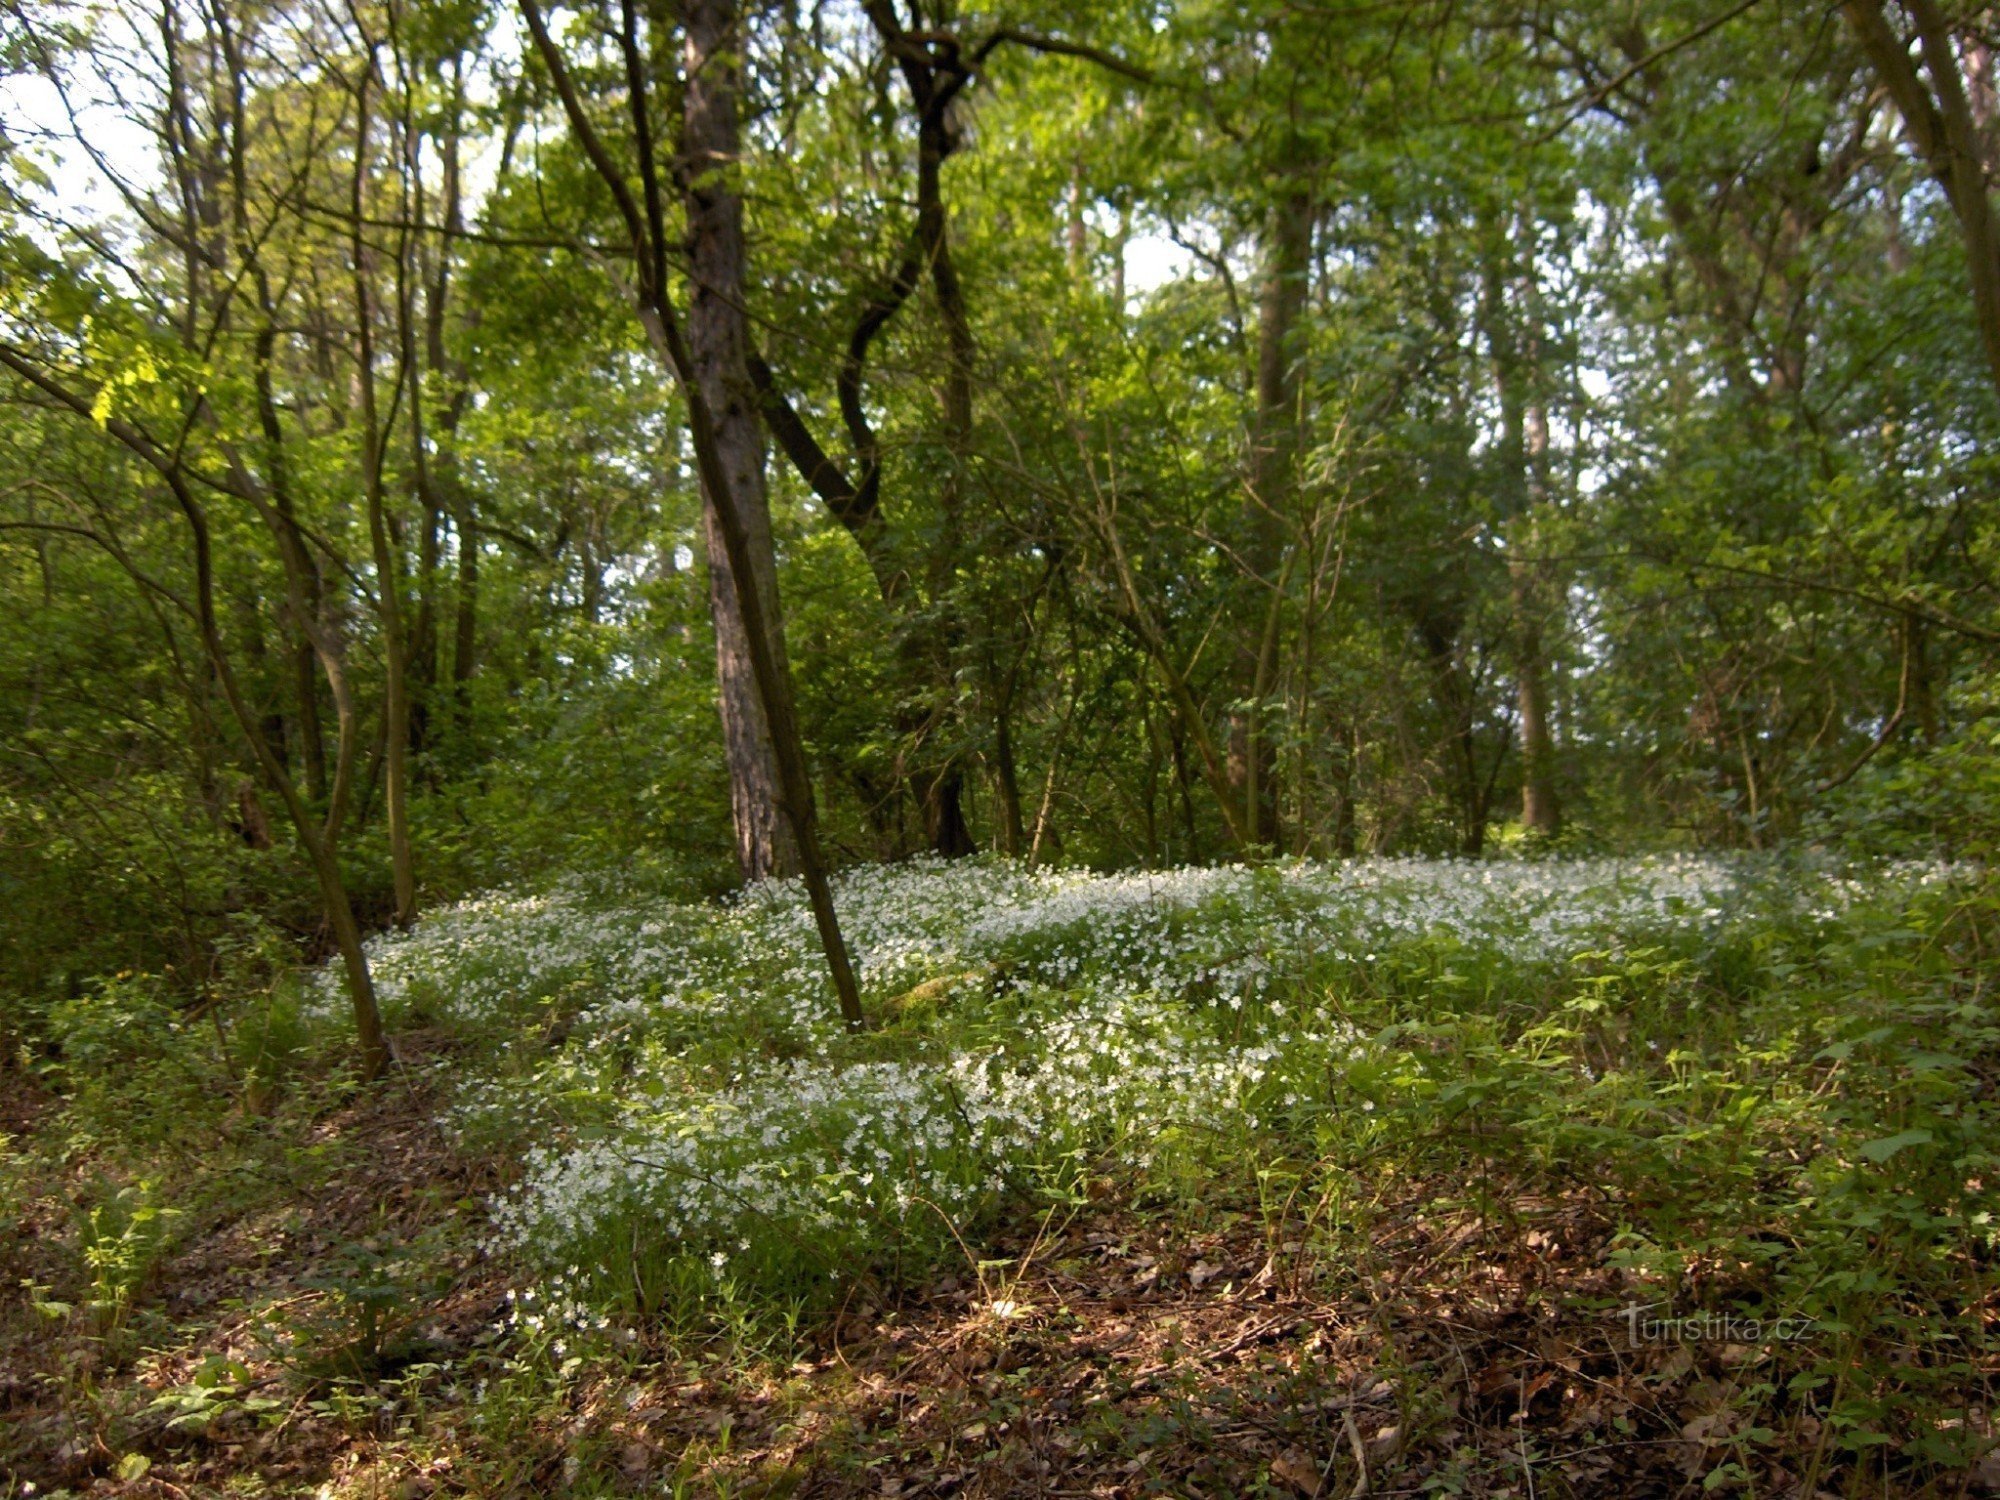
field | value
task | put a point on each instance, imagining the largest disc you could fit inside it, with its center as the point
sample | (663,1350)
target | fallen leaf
(1297,1470)
(1386,1444)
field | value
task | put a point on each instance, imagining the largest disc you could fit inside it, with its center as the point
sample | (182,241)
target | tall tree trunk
(944,820)
(945,825)
(718,339)
(388,584)
(657,313)
(412,278)
(1918,689)
(931,629)
(318,844)
(446,473)
(203,212)
(1521,488)
(421,651)
(1541,812)
(1273,459)
(1343,790)
(1439,629)
(1012,831)
(465,620)
(311,737)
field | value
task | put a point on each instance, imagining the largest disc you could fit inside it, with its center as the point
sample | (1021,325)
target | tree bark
(935,72)
(1522,485)
(945,823)
(446,473)
(1541,811)
(656,311)
(718,340)
(1011,832)
(388,584)
(1343,790)
(1273,459)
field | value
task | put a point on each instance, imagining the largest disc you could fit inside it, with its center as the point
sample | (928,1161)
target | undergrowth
(1769,1082)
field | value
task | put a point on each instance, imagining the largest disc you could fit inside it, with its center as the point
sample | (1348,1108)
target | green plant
(122,1238)
(369,1299)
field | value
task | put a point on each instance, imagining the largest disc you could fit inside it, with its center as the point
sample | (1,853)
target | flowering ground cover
(1587,1176)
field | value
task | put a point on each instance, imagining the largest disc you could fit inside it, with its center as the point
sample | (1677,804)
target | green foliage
(1791,1131)
(121,1238)
(371,1298)
(134,1068)
(1348,386)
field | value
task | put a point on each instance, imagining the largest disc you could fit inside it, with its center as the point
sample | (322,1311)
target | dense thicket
(1146,433)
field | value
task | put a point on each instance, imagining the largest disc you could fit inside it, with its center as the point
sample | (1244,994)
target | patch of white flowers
(1137,1007)
(795,1149)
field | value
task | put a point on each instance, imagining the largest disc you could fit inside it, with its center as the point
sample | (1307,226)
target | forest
(999,748)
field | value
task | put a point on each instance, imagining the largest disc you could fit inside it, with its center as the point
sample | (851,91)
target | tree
(697,373)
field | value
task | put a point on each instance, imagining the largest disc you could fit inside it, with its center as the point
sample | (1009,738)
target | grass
(1550,1177)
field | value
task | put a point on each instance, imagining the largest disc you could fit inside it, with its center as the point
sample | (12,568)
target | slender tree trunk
(1440,634)
(927,647)
(1522,490)
(465,612)
(1273,456)
(1012,831)
(445,472)
(388,585)
(1343,792)
(411,277)
(944,819)
(311,737)
(1918,689)
(656,312)
(423,652)
(718,339)
(317,844)
(1177,744)
(1541,812)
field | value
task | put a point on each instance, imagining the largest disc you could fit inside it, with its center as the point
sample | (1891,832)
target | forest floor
(306,1298)
(1112,1358)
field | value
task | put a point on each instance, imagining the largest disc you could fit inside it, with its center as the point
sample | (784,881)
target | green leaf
(1889,1145)
(1931,1062)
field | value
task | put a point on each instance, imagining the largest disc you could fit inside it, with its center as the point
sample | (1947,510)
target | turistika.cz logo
(1710,1328)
